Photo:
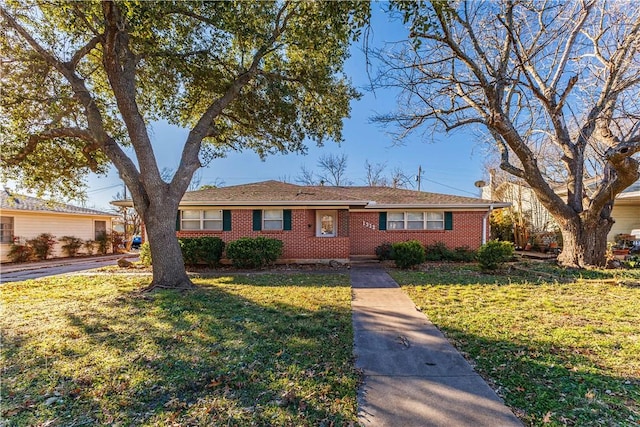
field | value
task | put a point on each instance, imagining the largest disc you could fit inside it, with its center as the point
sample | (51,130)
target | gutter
(485,222)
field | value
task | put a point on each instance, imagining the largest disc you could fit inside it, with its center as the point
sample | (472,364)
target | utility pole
(419,177)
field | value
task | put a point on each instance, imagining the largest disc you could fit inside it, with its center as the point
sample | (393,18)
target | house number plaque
(368,225)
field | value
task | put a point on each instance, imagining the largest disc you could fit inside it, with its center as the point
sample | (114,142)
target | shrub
(145,254)
(408,254)
(103,240)
(464,254)
(19,252)
(438,252)
(494,253)
(117,241)
(202,250)
(383,252)
(71,245)
(42,246)
(89,246)
(248,252)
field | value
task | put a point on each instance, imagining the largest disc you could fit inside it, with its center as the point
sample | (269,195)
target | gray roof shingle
(21,202)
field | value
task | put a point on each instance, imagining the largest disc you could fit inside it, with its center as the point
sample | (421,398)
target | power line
(448,186)
(97,190)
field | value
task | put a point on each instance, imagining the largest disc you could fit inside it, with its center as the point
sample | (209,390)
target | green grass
(560,352)
(240,350)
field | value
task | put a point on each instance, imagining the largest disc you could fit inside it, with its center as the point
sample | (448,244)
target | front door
(326,223)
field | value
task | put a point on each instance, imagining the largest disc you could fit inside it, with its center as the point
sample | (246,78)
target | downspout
(485,224)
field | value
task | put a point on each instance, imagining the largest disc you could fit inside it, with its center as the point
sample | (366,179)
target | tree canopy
(82,81)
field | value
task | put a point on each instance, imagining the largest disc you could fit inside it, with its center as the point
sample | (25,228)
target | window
(272,219)
(416,221)
(201,220)
(435,220)
(100,229)
(6,229)
(326,223)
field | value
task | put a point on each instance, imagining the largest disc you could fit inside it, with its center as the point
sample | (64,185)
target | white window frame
(202,221)
(319,215)
(273,220)
(428,221)
(7,232)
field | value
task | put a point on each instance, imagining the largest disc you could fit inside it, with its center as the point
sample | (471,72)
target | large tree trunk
(584,241)
(168,265)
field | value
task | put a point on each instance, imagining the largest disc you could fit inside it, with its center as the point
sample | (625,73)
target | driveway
(34,270)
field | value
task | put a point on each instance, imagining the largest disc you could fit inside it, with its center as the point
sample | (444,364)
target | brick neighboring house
(322,223)
(24,217)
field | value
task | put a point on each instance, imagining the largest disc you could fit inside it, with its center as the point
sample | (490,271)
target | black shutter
(257,220)
(286,219)
(226,220)
(382,221)
(448,220)
(178,221)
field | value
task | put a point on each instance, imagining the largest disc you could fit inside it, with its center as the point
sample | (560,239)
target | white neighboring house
(25,217)
(626,207)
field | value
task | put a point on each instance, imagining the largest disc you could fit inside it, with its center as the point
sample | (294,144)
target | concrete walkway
(412,375)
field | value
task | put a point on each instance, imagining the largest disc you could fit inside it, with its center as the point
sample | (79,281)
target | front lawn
(560,352)
(240,350)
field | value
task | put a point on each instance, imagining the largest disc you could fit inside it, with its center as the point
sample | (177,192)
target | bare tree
(375,174)
(333,168)
(555,85)
(306,177)
(399,179)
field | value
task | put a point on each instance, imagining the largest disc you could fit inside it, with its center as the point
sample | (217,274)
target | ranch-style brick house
(323,223)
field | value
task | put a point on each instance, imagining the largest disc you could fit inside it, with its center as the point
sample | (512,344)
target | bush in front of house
(408,254)
(464,254)
(438,251)
(202,250)
(89,246)
(42,245)
(145,254)
(249,252)
(383,252)
(71,245)
(19,252)
(493,254)
(103,240)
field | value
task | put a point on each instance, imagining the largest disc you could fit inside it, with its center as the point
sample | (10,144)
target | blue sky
(450,163)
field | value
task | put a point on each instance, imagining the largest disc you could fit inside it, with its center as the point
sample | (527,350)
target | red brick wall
(365,235)
(358,234)
(299,243)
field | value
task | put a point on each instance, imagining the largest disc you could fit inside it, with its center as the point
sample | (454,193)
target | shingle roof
(284,193)
(9,200)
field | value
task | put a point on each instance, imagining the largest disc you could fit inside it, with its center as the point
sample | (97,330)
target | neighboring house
(322,223)
(626,207)
(24,217)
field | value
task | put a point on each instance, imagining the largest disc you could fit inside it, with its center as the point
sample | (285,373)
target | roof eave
(492,205)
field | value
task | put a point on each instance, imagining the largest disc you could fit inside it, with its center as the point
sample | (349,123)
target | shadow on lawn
(205,357)
(551,385)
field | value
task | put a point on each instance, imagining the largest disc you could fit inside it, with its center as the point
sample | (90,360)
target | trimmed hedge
(248,252)
(493,254)
(202,250)
(408,254)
